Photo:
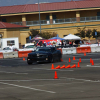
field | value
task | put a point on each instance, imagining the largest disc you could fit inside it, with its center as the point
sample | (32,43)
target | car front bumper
(38,59)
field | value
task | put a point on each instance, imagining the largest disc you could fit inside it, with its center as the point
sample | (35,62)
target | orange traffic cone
(78,65)
(52,67)
(62,67)
(58,67)
(69,60)
(74,66)
(24,59)
(74,58)
(61,60)
(68,66)
(55,76)
(80,60)
(84,53)
(92,62)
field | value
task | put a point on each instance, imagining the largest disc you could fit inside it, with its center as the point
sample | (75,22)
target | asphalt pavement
(20,81)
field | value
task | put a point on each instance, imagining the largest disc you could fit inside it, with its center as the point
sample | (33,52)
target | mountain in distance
(22,2)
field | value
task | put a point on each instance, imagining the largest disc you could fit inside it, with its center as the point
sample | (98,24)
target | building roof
(4,25)
(50,6)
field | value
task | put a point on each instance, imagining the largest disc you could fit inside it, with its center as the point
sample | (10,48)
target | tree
(93,33)
(45,35)
(89,34)
(81,32)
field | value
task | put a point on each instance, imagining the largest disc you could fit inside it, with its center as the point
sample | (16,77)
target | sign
(95,33)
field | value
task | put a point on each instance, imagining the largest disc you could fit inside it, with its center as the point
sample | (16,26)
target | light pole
(39,16)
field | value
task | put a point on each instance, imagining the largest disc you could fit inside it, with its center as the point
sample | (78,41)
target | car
(44,54)
(30,46)
(10,48)
(7,48)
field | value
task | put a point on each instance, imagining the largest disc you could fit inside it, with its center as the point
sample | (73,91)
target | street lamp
(39,16)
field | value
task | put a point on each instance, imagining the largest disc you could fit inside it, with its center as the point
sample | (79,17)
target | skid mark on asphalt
(50,69)
(92,66)
(25,87)
(11,72)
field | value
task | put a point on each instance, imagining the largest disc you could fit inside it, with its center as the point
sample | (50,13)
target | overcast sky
(21,2)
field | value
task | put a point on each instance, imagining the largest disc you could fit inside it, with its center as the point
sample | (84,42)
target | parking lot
(20,81)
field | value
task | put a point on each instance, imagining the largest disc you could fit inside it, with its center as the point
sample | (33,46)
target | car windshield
(44,49)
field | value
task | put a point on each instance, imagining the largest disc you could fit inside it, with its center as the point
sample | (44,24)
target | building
(61,17)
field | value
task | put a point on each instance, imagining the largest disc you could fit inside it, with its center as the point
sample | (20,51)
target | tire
(59,59)
(29,63)
(51,60)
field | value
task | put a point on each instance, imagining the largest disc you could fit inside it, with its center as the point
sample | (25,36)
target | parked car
(29,46)
(9,48)
(44,54)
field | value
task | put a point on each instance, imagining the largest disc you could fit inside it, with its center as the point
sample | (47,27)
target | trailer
(6,42)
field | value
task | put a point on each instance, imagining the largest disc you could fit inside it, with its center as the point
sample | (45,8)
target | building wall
(23,36)
(10,33)
(13,33)
(60,29)
(16,18)
(65,29)
(4,33)
(59,15)
(89,13)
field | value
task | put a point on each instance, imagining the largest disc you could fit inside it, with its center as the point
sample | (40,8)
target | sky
(22,2)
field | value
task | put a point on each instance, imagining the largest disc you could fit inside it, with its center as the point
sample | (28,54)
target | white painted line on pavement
(27,87)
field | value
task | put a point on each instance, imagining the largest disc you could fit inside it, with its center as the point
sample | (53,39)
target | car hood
(39,52)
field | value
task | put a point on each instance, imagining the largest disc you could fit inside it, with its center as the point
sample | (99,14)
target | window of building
(98,15)
(47,17)
(4,20)
(10,42)
(54,17)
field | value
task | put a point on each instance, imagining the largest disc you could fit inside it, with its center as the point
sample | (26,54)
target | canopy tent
(37,37)
(72,37)
(57,37)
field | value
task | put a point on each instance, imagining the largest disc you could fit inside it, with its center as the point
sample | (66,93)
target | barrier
(95,49)
(27,49)
(83,49)
(69,50)
(10,54)
(1,55)
(23,53)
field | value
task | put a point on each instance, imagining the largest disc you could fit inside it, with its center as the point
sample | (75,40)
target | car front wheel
(51,60)
(29,63)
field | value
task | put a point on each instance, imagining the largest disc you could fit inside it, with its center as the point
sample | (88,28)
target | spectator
(44,44)
(70,43)
(80,42)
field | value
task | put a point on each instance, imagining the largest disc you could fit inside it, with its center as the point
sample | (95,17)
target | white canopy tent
(72,37)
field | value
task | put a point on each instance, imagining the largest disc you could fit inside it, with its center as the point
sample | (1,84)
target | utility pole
(39,16)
